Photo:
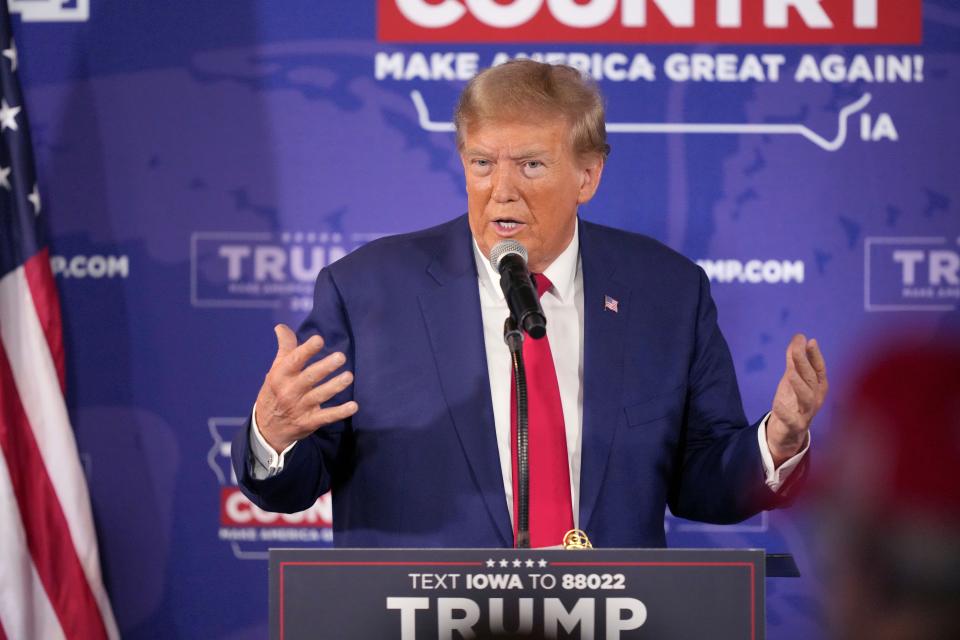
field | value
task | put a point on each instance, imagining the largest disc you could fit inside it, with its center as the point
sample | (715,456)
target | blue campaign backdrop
(200,161)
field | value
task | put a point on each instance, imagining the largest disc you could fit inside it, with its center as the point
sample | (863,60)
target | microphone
(509,259)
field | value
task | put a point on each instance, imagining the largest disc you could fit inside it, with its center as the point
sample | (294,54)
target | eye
(533,168)
(480,166)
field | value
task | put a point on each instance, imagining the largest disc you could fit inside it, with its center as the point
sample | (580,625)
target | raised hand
(289,403)
(799,396)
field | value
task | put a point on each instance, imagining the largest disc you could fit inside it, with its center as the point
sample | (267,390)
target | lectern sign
(450,593)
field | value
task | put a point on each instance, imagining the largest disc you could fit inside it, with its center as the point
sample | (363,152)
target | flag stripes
(25,609)
(42,460)
(40,280)
(47,534)
(50,581)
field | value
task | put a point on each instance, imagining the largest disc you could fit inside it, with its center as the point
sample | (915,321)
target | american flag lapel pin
(610,304)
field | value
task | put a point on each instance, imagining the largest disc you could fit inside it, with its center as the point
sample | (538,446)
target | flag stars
(34,199)
(11,55)
(8,116)
(516,562)
(4,177)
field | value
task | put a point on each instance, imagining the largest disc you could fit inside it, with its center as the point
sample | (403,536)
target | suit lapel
(604,339)
(455,326)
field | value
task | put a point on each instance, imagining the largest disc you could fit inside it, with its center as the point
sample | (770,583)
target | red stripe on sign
(645,22)
(48,536)
(43,289)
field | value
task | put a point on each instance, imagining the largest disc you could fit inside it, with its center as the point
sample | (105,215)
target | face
(524,182)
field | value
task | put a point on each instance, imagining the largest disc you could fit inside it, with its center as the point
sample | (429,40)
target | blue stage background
(200,161)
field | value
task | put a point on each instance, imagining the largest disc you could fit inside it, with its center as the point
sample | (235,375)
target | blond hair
(525,90)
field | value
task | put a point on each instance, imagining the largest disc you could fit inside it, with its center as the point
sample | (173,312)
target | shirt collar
(562,272)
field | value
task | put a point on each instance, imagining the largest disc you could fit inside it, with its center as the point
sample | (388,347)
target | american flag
(50,582)
(611,304)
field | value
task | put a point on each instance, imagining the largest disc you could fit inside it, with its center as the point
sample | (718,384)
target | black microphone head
(535,324)
(505,248)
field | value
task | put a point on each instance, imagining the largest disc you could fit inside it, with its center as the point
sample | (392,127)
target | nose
(504,184)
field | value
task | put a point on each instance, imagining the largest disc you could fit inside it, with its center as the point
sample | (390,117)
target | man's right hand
(289,403)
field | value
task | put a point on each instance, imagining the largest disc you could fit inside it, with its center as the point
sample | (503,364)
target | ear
(591,168)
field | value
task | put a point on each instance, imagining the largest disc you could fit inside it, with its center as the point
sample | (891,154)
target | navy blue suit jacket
(418,466)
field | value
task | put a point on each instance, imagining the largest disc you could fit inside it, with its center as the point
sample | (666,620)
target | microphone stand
(513,336)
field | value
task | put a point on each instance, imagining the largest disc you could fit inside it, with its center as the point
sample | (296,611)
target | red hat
(899,445)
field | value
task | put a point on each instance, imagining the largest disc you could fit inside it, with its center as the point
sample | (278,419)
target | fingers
(289,355)
(330,388)
(321,416)
(806,397)
(318,371)
(286,341)
(289,378)
(798,340)
(290,358)
(802,363)
(300,356)
(804,357)
(806,374)
(289,403)
(802,389)
(816,359)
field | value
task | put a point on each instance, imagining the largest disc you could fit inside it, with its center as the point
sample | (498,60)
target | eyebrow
(530,153)
(521,155)
(476,152)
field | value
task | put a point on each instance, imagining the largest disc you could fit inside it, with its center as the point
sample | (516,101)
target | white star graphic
(504,563)
(4,173)
(542,563)
(11,53)
(529,563)
(491,563)
(34,198)
(517,563)
(8,115)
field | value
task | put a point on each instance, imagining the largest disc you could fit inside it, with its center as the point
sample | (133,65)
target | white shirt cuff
(266,461)
(776,476)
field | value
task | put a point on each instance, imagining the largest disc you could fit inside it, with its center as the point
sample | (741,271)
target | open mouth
(507,224)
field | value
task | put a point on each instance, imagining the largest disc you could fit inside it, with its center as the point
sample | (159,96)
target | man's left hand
(799,396)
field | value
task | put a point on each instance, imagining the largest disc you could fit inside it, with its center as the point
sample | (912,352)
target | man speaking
(397,396)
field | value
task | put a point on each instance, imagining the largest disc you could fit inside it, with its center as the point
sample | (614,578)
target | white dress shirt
(563,306)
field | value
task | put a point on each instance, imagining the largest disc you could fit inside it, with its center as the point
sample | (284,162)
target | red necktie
(551,513)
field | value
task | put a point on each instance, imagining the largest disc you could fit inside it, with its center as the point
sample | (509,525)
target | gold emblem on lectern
(576,539)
